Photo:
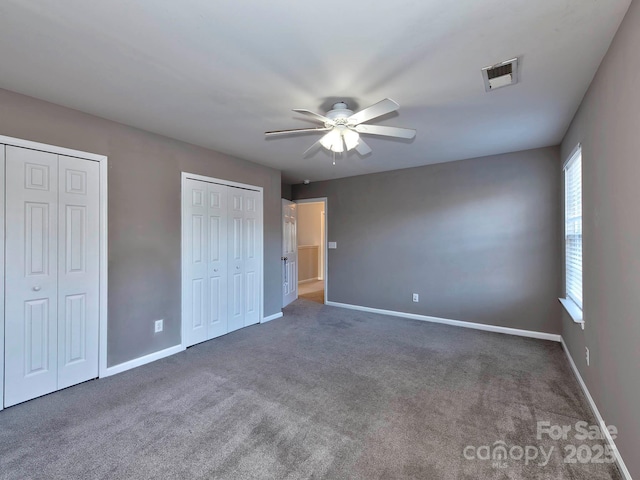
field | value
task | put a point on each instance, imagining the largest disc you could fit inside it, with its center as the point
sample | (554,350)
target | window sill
(573,310)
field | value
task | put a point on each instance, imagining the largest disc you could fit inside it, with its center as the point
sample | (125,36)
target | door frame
(326,238)
(103,239)
(184,176)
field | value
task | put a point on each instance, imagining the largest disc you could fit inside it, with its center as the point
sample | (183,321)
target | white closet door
(222,259)
(78,270)
(31,326)
(217,260)
(236,258)
(195,256)
(2,183)
(205,254)
(252,256)
(245,251)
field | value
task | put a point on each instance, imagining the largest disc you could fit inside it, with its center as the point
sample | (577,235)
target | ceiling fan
(344,127)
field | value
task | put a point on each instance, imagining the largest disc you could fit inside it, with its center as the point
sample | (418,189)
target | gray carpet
(320,393)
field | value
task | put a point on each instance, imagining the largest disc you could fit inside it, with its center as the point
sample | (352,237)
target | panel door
(31,329)
(236,254)
(2,183)
(252,246)
(196,258)
(78,270)
(217,260)
(289,252)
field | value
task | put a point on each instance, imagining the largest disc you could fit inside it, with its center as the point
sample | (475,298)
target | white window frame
(573,302)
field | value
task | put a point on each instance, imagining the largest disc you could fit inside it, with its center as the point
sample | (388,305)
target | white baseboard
(137,362)
(601,423)
(455,323)
(271,317)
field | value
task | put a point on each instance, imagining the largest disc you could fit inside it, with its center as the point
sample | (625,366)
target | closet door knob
(36,289)
(237,267)
(215,269)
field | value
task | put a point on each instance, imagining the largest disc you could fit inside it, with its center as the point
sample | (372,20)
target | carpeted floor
(313,291)
(317,297)
(322,393)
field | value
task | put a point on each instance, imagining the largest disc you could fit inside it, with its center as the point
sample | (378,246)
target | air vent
(500,75)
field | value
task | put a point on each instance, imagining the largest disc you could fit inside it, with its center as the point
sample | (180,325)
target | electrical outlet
(588,360)
(416,297)
(159,325)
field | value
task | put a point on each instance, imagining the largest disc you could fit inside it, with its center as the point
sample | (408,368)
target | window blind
(573,227)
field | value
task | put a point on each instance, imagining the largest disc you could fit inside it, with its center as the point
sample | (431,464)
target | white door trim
(229,183)
(326,240)
(43,147)
(183,271)
(104,245)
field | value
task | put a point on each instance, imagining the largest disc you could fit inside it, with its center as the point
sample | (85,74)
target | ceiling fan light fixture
(333,141)
(351,139)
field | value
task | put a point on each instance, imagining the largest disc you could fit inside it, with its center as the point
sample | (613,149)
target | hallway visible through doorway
(311,244)
(313,291)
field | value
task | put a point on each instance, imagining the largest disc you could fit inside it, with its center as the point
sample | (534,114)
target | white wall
(310,233)
(309,223)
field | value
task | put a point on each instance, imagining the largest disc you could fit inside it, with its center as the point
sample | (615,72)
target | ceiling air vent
(500,75)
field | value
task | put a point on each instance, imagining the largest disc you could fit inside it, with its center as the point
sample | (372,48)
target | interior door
(252,255)
(289,252)
(2,217)
(196,255)
(78,270)
(245,250)
(205,254)
(31,327)
(222,253)
(236,257)
(217,260)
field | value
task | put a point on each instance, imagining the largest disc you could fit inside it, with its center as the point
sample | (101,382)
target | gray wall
(477,239)
(608,126)
(286,191)
(144,214)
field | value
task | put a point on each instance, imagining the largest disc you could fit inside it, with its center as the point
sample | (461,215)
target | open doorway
(312,249)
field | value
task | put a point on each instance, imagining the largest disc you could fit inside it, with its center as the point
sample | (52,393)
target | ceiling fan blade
(296,130)
(315,116)
(386,131)
(312,149)
(362,148)
(376,110)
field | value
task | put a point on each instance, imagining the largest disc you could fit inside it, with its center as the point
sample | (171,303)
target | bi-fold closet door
(222,259)
(51,272)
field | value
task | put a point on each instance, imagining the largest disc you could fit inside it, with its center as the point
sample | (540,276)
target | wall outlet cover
(333,245)
(158,326)
(416,297)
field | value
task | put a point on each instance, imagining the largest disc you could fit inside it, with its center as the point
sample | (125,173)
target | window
(573,227)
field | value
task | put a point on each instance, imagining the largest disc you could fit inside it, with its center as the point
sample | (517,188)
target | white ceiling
(220,73)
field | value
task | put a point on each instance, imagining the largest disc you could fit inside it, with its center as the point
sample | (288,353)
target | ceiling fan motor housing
(339,113)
